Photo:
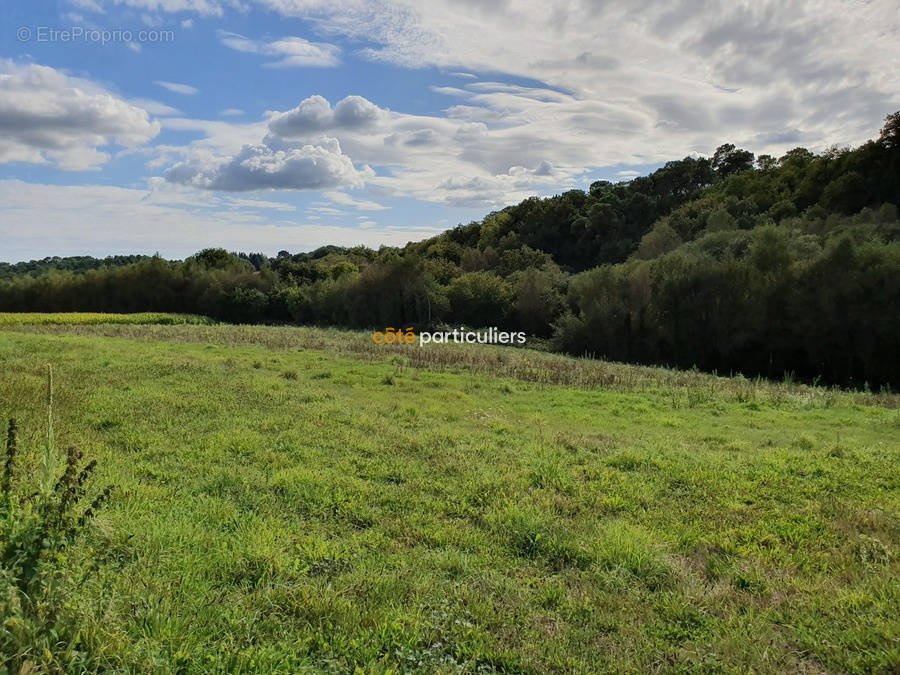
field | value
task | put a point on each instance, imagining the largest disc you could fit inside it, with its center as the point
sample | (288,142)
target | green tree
(537,299)
(661,239)
(479,299)
(720,220)
(728,159)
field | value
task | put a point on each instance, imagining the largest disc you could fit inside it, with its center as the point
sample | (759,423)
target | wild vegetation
(41,517)
(338,504)
(735,263)
(79,318)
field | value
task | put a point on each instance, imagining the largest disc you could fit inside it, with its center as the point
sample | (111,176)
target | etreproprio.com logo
(101,36)
(491,336)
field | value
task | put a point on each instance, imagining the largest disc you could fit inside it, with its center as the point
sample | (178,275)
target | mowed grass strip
(286,509)
(93,318)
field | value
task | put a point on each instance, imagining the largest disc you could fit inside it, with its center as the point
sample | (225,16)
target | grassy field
(300,500)
(80,318)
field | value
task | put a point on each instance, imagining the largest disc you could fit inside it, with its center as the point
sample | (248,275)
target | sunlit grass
(295,500)
(689,388)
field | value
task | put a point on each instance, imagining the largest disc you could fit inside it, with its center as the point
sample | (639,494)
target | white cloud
(89,5)
(154,107)
(273,165)
(161,192)
(37,218)
(202,7)
(728,61)
(220,135)
(177,87)
(315,114)
(344,199)
(49,117)
(231,112)
(611,84)
(641,75)
(429,158)
(289,52)
(328,211)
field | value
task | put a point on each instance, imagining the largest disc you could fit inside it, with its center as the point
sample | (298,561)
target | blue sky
(172,125)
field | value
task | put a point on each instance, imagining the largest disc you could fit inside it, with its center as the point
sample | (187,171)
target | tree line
(735,263)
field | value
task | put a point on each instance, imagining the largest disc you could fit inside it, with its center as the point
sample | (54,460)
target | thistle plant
(35,531)
(39,527)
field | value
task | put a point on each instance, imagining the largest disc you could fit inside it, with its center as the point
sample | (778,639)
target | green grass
(299,500)
(91,318)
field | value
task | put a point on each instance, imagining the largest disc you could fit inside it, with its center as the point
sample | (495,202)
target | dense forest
(78,263)
(760,265)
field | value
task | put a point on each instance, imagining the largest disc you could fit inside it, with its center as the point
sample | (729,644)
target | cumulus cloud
(436,159)
(49,117)
(315,114)
(602,85)
(273,164)
(289,52)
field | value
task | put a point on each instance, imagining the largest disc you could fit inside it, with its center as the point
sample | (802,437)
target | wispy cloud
(344,199)
(123,219)
(288,52)
(177,87)
(154,107)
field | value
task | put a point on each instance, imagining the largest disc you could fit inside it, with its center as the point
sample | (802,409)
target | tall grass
(688,388)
